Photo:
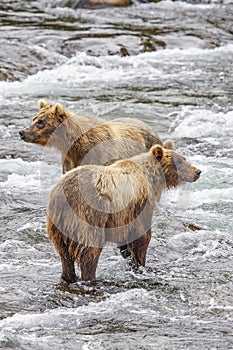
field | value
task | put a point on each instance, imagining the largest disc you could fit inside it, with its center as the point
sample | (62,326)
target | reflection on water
(177,76)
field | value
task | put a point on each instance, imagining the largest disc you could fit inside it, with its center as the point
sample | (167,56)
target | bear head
(169,144)
(45,122)
(175,169)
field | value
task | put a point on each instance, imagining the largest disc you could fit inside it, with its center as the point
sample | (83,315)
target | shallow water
(183,299)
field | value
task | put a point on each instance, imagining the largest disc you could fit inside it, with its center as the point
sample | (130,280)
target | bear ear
(169,144)
(43,104)
(157,152)
(58,108)
(59,111)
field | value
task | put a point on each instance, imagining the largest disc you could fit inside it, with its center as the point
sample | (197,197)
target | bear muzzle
(26,136)
(22,134)
(197,174)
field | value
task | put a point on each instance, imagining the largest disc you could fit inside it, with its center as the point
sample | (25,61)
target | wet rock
(193,227)
(150,44)
(150,0)
(18,59)
(147,45)
(124,51)
(95,4)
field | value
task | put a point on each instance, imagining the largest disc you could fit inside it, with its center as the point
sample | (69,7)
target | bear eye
(40,123)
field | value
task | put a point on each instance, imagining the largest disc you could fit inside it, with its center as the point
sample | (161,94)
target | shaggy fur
(89,140)
(93,204)
(85,140)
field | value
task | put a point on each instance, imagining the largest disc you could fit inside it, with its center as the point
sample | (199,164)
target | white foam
(20,174)
(60,317)
(83,72)
(214,195)
(19,166)
(35,226)
(39,175)
(202,243)
(199,123)
(21,182)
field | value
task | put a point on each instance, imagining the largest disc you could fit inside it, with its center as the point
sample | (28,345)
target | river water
(177,76)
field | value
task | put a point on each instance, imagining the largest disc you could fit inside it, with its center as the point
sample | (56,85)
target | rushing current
(169,64)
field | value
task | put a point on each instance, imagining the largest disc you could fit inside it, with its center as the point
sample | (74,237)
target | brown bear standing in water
(89,140)
(85,140)
(94,204)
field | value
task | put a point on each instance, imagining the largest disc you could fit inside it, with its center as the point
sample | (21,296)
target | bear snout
(197,174)
(22,134)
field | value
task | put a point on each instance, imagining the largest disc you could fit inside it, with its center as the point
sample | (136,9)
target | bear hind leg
(138,249)
(88,261)
(62,243)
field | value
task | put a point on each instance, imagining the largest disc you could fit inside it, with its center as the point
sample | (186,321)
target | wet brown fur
(85,140)
(93,204)
(89,140)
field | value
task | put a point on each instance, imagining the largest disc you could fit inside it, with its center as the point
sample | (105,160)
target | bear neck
(67,135)
(169,173)
(154,174)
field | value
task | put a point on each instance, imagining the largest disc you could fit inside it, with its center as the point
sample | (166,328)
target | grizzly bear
(93,204)
(85,140)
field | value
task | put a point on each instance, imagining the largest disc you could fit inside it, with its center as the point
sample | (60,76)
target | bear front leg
(88,261)
(138,249)
(68,270)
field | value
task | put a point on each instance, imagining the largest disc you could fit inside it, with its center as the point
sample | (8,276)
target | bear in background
(92,205)
(88,140)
